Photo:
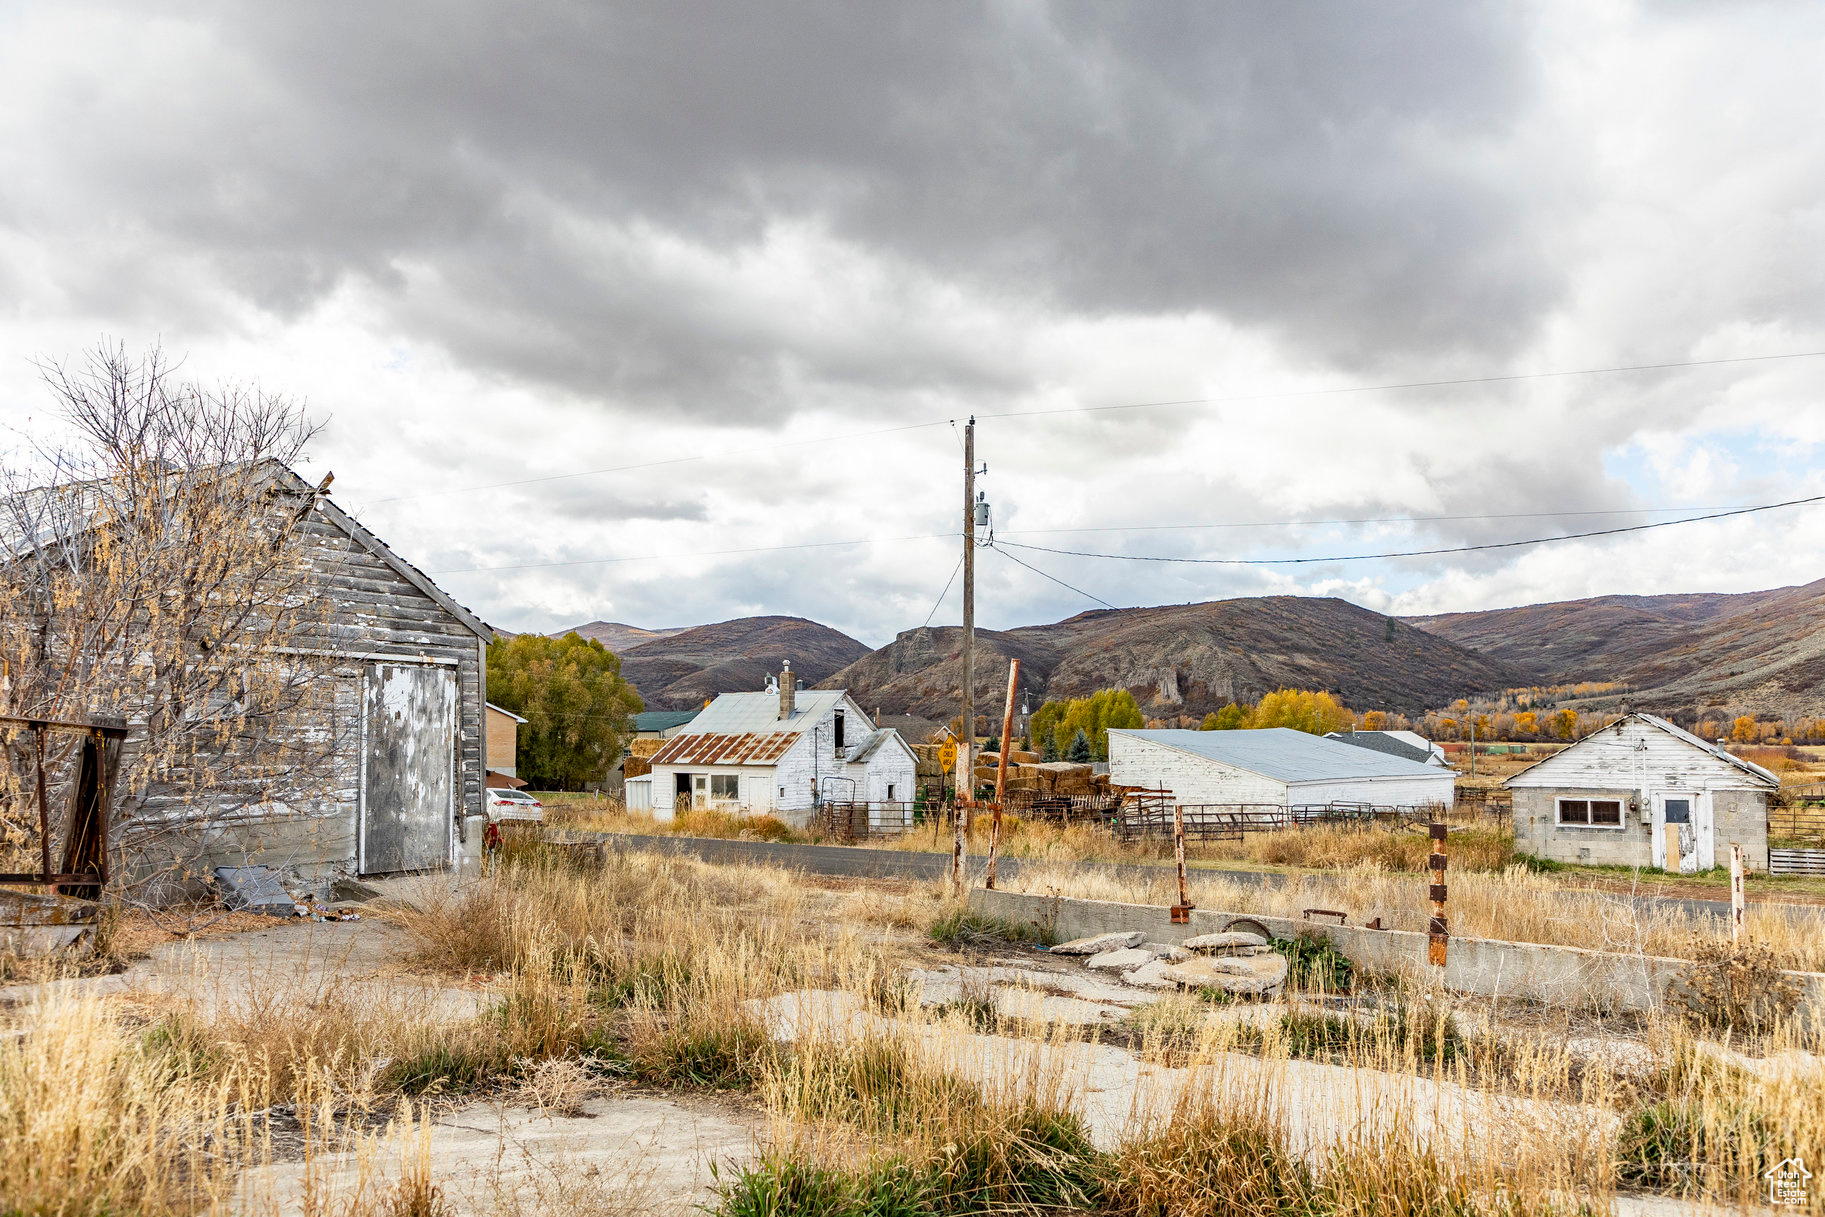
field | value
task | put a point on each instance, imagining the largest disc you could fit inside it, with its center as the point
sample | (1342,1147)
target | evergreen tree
(994,744)
(1080,747)
(1048,750)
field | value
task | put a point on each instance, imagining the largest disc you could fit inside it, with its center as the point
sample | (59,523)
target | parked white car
(505,804)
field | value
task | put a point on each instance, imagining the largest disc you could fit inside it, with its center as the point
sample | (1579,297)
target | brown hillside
(681,670)
(1686,655)
(616,636)
(1184,659)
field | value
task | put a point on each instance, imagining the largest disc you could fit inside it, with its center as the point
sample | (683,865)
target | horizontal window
(1600,813)
(725,786)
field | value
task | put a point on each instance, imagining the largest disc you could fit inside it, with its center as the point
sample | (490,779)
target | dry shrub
(1736,987)
(94,1119)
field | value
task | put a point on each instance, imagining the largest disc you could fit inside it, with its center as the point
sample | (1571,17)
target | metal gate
(408,767)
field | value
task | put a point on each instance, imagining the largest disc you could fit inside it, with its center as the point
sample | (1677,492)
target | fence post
(1736,893)
(1181,912)
(1437,936)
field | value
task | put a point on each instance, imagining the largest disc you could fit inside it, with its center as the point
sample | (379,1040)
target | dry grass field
(600,985)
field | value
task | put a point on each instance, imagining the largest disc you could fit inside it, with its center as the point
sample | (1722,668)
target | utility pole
(966,738)
(966,763)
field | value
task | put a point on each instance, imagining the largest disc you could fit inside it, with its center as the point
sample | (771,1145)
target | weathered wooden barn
(1643,792)
(382,765)
(1272,767)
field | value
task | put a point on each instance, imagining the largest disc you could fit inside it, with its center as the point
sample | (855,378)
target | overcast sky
(498,242)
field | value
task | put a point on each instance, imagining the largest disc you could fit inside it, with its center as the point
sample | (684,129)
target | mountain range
(677,669)
(1687,656)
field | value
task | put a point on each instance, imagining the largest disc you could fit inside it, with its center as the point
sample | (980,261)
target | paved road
(848,861)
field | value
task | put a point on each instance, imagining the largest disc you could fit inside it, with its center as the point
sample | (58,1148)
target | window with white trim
(725,787)
(1591,813)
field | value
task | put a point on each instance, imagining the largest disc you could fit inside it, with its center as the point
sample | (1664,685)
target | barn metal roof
(1382,741)
(1289,756)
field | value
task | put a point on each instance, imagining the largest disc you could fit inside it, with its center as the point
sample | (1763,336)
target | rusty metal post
(959,847)
(44,806)
(1437,935)
(1181,912)
(1736,893)
(1001,771)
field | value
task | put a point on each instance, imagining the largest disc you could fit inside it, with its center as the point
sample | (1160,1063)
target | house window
(839,730)
(890,792)
(725,787)
(1596,813)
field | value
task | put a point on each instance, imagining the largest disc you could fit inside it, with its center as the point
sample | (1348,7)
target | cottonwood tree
(578,708)
(153,568)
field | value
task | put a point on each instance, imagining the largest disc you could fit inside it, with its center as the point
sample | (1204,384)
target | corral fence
(1494,802)
(1065,808)
(1796,861)
(1797,823)
(845,821)
(1153,815)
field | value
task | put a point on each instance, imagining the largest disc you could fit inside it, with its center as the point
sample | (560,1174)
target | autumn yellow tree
(1302,710)
(1744,730)
(1374,720)
(1565,724)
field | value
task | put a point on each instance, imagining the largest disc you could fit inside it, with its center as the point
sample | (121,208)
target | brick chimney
(787,687)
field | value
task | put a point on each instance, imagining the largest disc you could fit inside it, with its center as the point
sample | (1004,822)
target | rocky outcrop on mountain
(684,669)
(1184,659)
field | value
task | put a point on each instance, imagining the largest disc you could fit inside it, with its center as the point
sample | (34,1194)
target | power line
(1459,382)
(1509,515)
(1080,591)
(1420,553)
(702,553)
(944,593)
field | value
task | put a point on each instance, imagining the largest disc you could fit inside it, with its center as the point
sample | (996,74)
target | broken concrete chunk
(1228,942)
(1166,951)
(1151,976)
(254,889)
(1096,944)
(352,891)
(1249,974)
(1124,960)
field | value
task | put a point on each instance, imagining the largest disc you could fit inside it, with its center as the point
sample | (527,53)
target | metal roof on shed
(663,720)
(1289,756)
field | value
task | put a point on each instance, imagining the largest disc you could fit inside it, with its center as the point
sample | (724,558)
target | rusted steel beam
(1001,771)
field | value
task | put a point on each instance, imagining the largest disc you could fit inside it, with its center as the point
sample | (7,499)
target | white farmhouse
(784,751)
(1643,792)
(1275,766)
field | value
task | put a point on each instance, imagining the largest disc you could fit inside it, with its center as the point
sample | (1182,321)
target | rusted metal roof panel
(713,748)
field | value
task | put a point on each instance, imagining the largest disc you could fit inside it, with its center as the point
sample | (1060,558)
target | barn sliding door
(408,775)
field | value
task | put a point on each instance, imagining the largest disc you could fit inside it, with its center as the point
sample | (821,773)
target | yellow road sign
(947,754)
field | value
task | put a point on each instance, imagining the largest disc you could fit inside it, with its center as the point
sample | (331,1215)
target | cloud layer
(501,242)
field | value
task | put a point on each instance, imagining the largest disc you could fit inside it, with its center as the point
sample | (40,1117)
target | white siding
(1639,757)
(1191,779)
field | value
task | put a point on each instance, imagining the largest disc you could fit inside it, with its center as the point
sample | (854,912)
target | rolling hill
(616,636)
(1685,655)
(680,669)
(1184,659)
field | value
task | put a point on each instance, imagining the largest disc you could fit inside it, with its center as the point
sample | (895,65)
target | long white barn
(1274,766)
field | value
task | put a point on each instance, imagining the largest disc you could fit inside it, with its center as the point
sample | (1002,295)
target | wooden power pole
(966,738)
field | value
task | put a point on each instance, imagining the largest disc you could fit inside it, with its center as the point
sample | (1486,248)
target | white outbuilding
(784,751)
(1643,792)
(1274,766)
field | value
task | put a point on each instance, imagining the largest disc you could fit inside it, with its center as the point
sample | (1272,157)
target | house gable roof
(746,729)
(1286,755)
(1381,741)
(1761,776)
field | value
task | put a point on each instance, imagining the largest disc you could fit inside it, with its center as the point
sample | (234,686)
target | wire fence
(1153,815)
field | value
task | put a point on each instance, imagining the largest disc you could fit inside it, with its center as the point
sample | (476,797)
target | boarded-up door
(408,778)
